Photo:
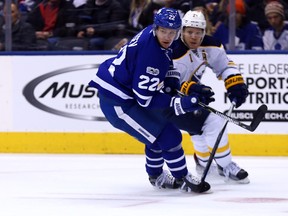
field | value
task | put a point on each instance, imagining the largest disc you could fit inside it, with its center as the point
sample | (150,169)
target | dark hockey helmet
(168,18)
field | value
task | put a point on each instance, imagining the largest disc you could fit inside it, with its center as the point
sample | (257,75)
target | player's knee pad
(170,138)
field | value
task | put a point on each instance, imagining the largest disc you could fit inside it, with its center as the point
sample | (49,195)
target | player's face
(192,37)
(165,36)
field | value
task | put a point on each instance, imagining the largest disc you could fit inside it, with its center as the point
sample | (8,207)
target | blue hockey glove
(205,93)
(185,104)
(172,82)
(236,89)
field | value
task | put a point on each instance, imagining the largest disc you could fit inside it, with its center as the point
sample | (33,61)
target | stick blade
(258,116)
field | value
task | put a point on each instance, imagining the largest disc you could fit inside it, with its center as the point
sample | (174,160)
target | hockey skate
(187,184)
(165,180)
(232,172)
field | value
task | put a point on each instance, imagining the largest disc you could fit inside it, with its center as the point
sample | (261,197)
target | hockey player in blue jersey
(129,91)
(191,50)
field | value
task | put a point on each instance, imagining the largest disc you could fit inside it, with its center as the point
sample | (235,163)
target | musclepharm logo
(62,92)
(152,71)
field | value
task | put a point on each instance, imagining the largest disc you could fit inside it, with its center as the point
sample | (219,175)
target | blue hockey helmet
(167,18)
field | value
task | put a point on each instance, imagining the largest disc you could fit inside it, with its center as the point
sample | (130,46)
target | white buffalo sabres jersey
(210,54)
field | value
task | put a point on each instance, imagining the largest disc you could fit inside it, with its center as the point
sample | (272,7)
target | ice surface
(117,185)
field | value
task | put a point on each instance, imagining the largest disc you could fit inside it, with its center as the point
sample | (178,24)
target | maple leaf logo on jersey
(152,71)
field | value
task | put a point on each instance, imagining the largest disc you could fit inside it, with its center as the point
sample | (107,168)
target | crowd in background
(109,24)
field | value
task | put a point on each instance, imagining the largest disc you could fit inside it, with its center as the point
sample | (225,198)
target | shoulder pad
(179,48)
(210,41)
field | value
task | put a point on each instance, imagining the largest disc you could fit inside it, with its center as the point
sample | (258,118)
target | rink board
(120,143)
(48,108)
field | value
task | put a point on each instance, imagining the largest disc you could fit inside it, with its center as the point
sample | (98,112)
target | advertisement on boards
(267,80)
(54,94)
(50,94)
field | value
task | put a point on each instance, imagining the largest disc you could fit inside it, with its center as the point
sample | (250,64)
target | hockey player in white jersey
(129,88)
(194,48)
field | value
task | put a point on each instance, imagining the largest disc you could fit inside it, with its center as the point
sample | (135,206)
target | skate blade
(232,181)
(215,176)
(196,193)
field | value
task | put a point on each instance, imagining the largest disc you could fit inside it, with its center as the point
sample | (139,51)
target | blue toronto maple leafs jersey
(136,73)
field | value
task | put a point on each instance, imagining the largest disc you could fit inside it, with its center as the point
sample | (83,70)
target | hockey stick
(212,154)
(257,117)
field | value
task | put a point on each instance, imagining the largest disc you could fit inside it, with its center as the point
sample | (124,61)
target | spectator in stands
(107,19)
(147,15)
(53,19)
(1,5)
(136,9)
(208,30)
(216,13)
(210,5)
(275,37)
(248,34)
(79,4)
(126,5)
(182,5)
(256,11)
(133,25)
(142,14)
(23,34)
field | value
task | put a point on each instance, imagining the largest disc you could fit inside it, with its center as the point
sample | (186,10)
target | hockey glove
(205,93)
(185,104)
(236,89)
(172,82)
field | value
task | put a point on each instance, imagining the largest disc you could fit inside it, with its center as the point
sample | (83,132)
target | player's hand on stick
(187,103)
(237,90)
(172,82)
(204,93)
